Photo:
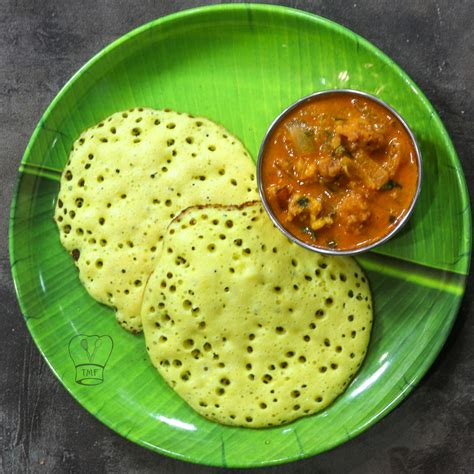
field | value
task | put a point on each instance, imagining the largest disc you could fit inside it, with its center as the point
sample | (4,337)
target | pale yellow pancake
(248,328)
(126,178)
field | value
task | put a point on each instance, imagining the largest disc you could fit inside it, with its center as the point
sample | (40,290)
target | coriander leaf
(341,150)
(303,202)
(390,184)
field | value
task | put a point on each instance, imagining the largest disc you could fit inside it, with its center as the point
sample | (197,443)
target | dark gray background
(42,429)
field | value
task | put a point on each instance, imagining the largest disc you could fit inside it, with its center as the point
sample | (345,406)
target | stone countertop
(42,428)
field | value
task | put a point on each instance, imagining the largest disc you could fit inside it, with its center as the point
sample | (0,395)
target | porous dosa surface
(248,328)
(126,178)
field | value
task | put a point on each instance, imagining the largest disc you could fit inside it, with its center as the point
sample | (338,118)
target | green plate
(239,65)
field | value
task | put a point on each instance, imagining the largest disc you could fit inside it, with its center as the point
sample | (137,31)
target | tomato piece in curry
(339,171)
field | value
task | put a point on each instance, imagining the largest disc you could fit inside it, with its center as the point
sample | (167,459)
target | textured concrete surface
(42,429)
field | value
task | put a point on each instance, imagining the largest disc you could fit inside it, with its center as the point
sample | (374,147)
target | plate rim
(338,29)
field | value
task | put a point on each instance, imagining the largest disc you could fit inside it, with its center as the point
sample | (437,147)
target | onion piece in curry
(339,171)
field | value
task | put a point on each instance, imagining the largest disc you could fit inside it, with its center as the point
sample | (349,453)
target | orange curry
(339,171)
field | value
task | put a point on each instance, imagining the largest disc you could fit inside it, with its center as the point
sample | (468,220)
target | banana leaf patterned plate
(239,65)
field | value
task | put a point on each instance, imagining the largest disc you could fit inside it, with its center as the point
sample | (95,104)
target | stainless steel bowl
(278,224)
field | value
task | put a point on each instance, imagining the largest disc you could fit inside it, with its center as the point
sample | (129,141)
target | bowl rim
(276,221)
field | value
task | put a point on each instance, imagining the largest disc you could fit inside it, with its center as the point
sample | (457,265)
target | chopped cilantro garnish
(303,202)
(390,184)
